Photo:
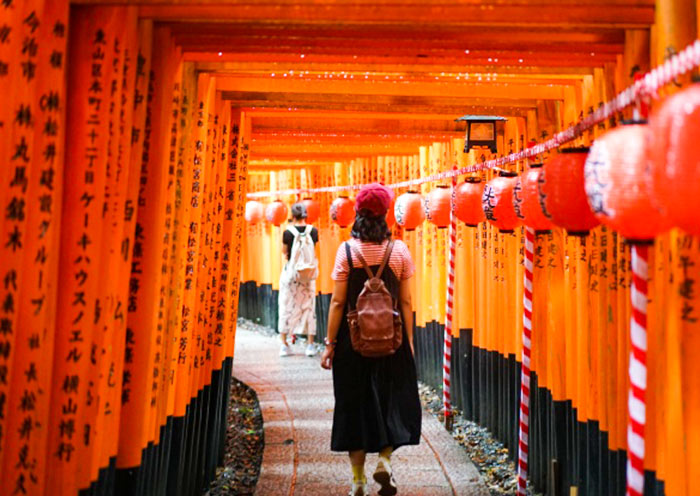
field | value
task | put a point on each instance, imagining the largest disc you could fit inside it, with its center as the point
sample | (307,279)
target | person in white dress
(297,295)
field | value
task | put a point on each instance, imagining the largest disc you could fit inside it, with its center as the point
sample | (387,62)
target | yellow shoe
(359,489)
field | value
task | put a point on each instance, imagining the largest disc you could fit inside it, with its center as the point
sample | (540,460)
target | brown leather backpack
(375,322)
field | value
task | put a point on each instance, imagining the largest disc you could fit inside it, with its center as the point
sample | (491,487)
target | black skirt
(376,399)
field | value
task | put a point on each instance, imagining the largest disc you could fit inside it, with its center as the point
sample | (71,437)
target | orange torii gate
(127,131)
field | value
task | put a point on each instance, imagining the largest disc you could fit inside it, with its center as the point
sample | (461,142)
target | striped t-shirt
(400,261)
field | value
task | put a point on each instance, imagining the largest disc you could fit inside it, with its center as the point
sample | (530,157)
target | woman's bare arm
(335,315)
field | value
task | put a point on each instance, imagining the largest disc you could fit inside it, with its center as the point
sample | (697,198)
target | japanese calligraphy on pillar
(18,32)
(83,202)
(186,346)
(158,399)
(45,41)
(136,145)
(181,222)
(241,189)
(103,323)
(149,242)
(232,236)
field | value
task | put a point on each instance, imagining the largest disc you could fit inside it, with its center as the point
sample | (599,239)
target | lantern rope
(636,402)
(524,432)
(449,306)
(645,87)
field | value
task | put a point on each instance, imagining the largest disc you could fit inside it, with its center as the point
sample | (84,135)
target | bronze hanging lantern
(481,131)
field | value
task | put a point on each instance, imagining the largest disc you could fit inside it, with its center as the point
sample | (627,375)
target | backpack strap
(348,254)
(387,254)
(370,274)
(294,232)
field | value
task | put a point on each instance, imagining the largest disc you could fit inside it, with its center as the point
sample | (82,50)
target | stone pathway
(296,397)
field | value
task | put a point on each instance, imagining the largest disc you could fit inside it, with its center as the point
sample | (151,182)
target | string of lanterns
(643,88)
(639,179)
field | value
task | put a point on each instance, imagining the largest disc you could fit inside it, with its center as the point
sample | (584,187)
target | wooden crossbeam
(591,59)
(290,88)
(552,14)
(381,35)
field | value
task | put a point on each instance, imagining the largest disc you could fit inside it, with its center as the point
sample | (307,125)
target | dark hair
(369,227)
(299,211)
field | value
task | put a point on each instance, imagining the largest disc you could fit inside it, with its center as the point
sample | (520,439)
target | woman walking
(377,409)
(297,295)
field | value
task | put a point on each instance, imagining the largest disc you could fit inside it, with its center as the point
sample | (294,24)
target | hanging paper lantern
(468,199)
(390,218)
(497,202)
(254,212)
(409,211)
(313,210)
(276,212)
(616,172)
(563,195)
(675,158)
(343,211)
(438,204)
(526,200)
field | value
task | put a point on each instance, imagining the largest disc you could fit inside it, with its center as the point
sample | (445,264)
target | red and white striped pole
(449,308)
(636,401)
(524,438)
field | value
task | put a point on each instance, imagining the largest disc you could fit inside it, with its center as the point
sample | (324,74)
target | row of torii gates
(132,132)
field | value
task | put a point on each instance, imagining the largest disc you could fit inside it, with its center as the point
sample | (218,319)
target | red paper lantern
(313,210)
(438,204)
(343,211)
(409,211)
(390,218)
(468,198)
(675,158)
(526,200)
(276,212)
(497,202)
(617,183)
(254,212)
(563,195)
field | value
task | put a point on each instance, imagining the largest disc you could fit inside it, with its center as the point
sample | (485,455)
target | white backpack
(302,262)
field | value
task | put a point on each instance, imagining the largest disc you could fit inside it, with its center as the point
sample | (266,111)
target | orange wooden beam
(350,86)
(307,139)
(285,113)
(554,14)
(386,34)
(580,60)
(333,125)
(195,42)
(522,70)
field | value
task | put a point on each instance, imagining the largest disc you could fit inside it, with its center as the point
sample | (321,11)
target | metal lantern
(481,131)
